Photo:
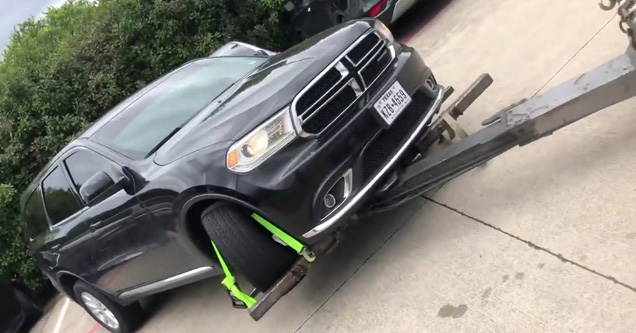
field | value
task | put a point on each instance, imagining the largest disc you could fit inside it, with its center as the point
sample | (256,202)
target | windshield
(159,113)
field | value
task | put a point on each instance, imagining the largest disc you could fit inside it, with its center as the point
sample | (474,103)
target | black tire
(246,246)
(129,317)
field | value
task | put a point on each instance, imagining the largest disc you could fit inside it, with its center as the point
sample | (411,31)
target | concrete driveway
(542,239)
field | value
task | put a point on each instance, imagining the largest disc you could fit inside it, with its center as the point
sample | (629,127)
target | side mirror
(99,186)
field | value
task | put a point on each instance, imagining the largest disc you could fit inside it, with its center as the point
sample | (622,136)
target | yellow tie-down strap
(230,283)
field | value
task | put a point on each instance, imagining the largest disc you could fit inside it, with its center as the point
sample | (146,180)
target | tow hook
(309,255)
(446,121)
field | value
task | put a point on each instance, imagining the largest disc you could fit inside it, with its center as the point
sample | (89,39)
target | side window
(34,217)
(59,200)
(83,164)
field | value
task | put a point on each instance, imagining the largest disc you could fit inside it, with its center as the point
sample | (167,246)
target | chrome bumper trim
(354,200)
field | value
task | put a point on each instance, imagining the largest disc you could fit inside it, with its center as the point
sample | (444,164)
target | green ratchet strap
(230,284)
(239,298)
(287,239)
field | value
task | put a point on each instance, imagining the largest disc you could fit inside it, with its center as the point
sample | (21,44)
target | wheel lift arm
(597,89)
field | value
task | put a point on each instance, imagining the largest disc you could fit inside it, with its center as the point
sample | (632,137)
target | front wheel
(246,246)
(111,315)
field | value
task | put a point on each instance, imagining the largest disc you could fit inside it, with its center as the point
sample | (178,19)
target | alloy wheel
(100,311)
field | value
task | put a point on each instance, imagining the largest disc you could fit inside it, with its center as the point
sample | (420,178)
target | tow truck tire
(246,246)
(128,318)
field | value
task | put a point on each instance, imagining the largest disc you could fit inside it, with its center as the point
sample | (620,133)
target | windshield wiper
(164,140)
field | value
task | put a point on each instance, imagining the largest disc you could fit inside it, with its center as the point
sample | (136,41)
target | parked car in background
(18,308)
(312,16)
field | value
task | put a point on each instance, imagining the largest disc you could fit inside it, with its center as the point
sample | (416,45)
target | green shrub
(62,72)
(14,260)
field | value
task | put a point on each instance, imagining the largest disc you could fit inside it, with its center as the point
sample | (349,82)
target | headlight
(384,31)
(253,149)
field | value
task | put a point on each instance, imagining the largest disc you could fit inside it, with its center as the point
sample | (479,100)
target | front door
(112,221)
(67,244)
(135,246)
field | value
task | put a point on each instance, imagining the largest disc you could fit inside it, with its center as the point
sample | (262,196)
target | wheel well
(67,281)
(195,229)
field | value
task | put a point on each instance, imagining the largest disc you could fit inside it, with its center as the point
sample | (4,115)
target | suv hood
(262,93)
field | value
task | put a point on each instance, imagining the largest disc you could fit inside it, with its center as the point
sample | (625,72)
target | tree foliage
(63,71)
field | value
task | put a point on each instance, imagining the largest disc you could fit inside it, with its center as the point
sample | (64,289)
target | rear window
(143,125)
(34,217)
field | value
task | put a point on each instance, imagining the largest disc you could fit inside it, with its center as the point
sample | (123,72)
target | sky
(13,12)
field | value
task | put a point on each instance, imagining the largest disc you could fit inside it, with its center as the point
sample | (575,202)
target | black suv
(241,152)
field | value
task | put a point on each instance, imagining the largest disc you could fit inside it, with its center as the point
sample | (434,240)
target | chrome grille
(360,51)
(375,66)
(334,92)
(330,110)
(317,92)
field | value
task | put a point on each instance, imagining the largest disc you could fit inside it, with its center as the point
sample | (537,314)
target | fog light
(337,194)
(329,200)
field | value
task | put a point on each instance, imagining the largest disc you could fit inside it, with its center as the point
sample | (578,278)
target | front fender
(207,195)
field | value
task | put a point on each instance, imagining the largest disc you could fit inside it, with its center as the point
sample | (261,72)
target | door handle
(55,247)
(97,224)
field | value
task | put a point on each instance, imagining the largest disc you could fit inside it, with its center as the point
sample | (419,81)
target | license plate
(392,103)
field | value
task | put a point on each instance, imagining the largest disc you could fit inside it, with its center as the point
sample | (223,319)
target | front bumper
(289,187)
(353,202)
